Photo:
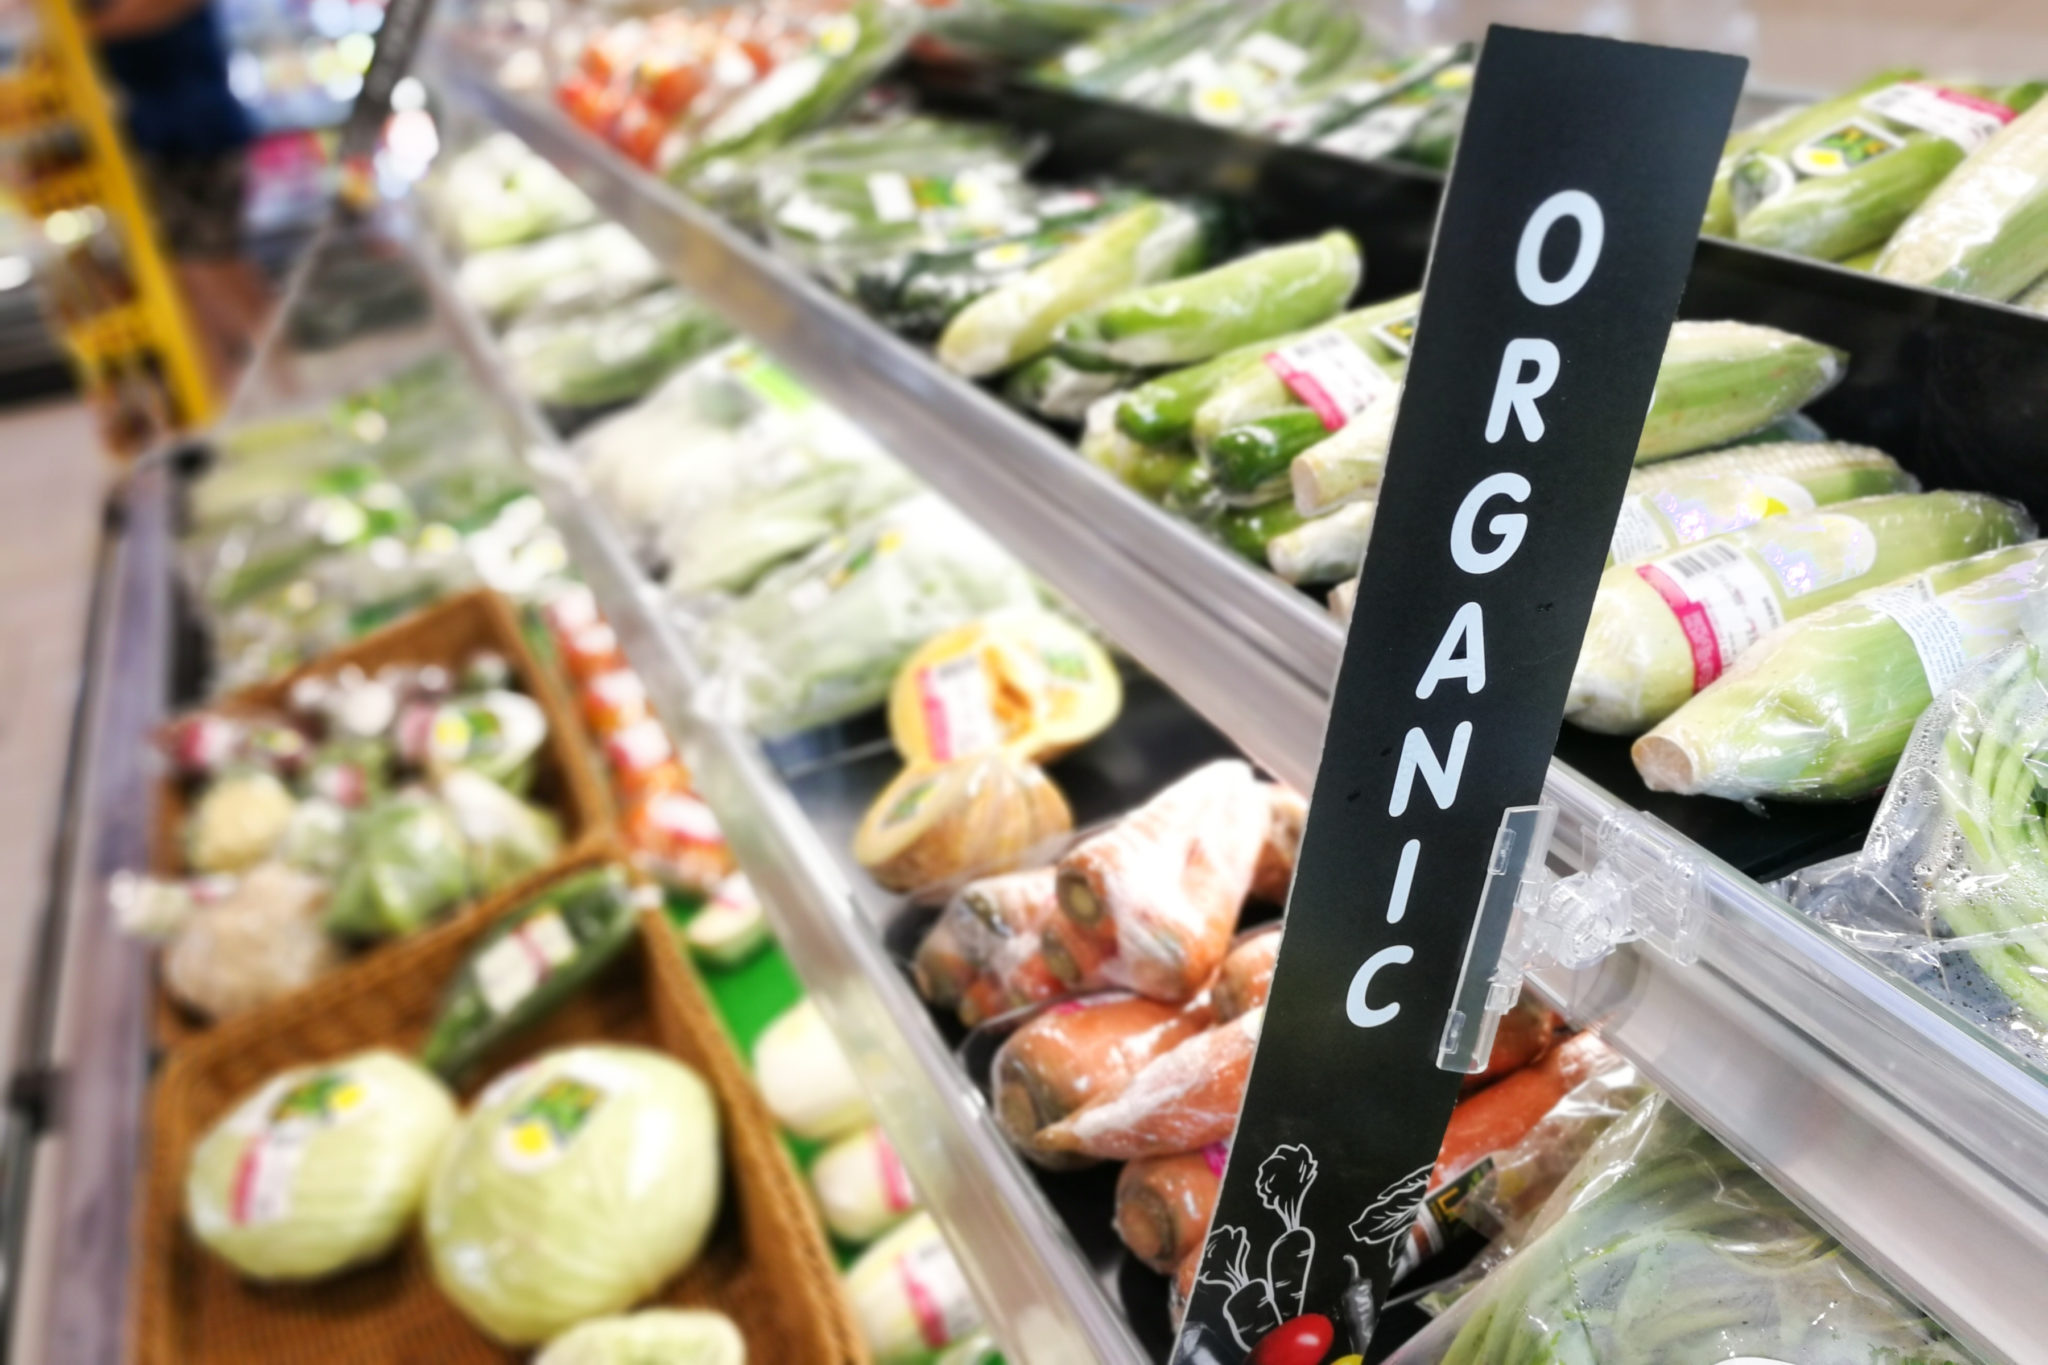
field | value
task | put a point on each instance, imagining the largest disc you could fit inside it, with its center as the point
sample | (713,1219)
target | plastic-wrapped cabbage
(320,1169)
(1663,1248)
(237,822)
(586,360)
(411,863)
(659,1336)
(822,638)
(507,838)
(578,1185)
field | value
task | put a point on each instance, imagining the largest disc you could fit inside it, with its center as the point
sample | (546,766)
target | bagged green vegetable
(1723,380)
(658,1336)
(909,1295)
(499,192)
(1264,66)
(1417,122)
(1664,628)
(593,267)
(1146,243)
(1281,289)
(587,360)
(578,1185)
(527,963)
(322,1168)
(822,638)
(1822,709)
(1677,502)
(1984,231)
(1325,549)
(1360,86)
(411,864)
(1663,1248)
(506,837)
(1140,47)
(1014,31)
(1060,391)
(1148,470)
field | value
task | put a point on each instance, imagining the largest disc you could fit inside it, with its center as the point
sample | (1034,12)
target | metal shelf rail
(1911,1139)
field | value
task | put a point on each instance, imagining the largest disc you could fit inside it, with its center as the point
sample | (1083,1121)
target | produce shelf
(1895,1126)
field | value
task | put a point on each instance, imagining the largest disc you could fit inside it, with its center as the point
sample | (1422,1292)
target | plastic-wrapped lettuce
(578,1185)
(1663,1248)
(1822,709)
(659,1336)
(822,638)
(411,863)
(320,1169)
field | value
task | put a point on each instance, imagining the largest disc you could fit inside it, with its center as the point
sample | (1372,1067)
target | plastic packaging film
(1982,230)
(941,825)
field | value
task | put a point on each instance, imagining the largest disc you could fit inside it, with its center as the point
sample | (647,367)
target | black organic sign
(1561,250)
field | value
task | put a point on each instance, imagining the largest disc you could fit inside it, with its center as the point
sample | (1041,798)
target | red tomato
(671,91)
(1304,1341)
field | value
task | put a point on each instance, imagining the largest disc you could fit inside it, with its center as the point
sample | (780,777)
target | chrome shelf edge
(1911,1141)
(1041,1297)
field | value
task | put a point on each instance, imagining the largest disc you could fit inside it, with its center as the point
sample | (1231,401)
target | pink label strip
(1692,619)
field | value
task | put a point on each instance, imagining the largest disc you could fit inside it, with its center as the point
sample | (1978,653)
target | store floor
(52,478)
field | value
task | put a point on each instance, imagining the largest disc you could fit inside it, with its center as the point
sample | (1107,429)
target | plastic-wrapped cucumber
(1775,136)
(1677,502)
(1663,628)
(1326,549)
(1722,380)
(527,963)
(1290,45)
(1281,289)
(1022,30)
(1149,242)
(1253,425)
(1822,710)
(1348,93)
(1847,188)
(1163,408)
(1984,231)
(1249,530)
(1418,122)
(1054,388)
(1147,470)
(1192,495)
(1347,464)
(1148,43)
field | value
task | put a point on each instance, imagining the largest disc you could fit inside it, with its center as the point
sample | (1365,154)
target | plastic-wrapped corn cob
(1985,230)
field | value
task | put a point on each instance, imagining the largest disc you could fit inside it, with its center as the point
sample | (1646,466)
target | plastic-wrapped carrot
(1526,1033)
(1275,872)
(1159,893)
(1077,1053)
(1163,1204)
(991,922)
(943,969)
(1501,1115)
(1184,1276)
(1247,974)
(1180,1101)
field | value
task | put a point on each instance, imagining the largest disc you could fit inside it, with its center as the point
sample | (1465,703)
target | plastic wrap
(578,1184)
(1822,708)
(1246,977)
(249,943)
(806,1079)
(1417,121)
(1156,897)
(861,1187)
(824,637)
(1720,381)
(1077,1053)
(1182,1100)
(592,267)
(1984,230)
(499,192)
(694,1336)
(322,1168)
(1028,681)
(985,954)
(940,825)
(1138,51)
(1950,890)
(1164,1204)
(411,864)
(1664,1249)
(1664,628)
(909,1295)
(1023,30)
(587,360)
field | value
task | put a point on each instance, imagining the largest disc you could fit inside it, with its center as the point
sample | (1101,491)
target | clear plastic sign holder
(1635,887)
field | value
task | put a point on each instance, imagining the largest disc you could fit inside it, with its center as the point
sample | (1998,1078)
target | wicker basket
(566,779)
(765,1265)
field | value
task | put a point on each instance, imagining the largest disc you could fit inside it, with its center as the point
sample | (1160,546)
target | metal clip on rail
(1637,886)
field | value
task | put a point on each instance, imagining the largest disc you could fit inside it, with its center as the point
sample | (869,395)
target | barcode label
(1638,532)
(1936,634)
(1723,602)
(1965,120)
(959,718)
(1332,375)
(889,191)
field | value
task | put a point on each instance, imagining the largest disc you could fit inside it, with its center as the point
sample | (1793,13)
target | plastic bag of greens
(1285,48)
(591,359)
(589,267)
(499,192)
(1950,890)
(1023,30)
(411,864)
(822,638)
(1663,1248)
(1417,122)
(1126,59)
(507,838)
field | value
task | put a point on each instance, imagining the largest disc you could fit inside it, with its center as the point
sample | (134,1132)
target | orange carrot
(1077,1053)
(1163,1204)
(1502,1114)
(1526,1033)
(1158,894)
(1247,975)
(1179,1101)
(1275,872)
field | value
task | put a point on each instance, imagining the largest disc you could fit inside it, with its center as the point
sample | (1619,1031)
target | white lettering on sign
(1513,393)
(1580,207)
(1404,878)
(1509,526)
(1356,1008)
(1468,628)
(1441,778)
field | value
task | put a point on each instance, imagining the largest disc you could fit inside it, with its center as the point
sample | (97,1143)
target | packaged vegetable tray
(765,1266)
(566,780)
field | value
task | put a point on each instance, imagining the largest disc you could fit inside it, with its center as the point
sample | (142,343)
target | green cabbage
(660,1336)
(577,1186)
(320,1169)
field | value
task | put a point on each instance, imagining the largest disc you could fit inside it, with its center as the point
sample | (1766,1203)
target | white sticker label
(959,716)
(1330,373)
(1638,532)
(1936,634)
(685,817)
(890,193)
(279,1122)
(1724,603)
(1272,56)
(264,1176)
(1965,120)
(512,968)
(939,1298)
(1378,133)
(801,213)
